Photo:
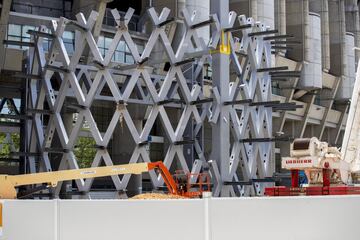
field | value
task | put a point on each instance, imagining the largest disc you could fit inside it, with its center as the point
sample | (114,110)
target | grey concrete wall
(260,10)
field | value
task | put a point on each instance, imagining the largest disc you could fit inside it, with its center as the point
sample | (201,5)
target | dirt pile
(157,196)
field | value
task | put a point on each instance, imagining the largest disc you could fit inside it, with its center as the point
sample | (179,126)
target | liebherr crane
(329,171)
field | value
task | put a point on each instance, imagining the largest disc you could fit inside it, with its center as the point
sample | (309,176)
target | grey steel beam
(336,133)
(220,76)
(319,129)
(288,94)
(301,126)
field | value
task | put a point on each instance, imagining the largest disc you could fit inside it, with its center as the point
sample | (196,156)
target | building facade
(318,47)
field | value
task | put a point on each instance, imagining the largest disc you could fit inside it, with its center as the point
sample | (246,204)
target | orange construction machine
(184,184)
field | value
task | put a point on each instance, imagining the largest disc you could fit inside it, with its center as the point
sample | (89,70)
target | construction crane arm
(8,183)
(351,140)
(168,179)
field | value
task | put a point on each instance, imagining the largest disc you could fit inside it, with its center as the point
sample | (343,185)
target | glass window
(140,48)
(101,42)
(68,35)
(107,42)
(121,46)
(122,53)
(275,88)
(19,33)
(119,56)
(46,44)
(69,41)
(25,30)
(18,39)
(14,30)
(101,45)
(129,58)
(107,46)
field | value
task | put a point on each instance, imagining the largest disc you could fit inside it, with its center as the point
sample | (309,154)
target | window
(19,33)
(122,53)
(8,106)
(275,88)
(208,72)
(69,41)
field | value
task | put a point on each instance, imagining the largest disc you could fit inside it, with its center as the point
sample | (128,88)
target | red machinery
(326,172)
(183,184)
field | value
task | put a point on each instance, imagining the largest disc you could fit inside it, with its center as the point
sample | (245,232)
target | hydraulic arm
(8,183)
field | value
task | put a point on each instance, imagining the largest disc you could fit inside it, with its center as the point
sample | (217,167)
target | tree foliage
(5,144)
(85,151)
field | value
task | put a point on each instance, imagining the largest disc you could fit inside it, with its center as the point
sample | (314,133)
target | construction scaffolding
(238,104)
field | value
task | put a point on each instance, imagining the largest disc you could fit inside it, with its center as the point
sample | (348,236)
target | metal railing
(36,9)
(110,21)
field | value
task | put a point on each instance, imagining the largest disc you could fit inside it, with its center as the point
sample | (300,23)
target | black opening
(124,5)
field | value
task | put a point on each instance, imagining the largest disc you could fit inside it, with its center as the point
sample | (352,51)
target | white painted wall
(28,220)
(287,218)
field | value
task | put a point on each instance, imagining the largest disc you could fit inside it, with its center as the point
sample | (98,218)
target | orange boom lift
(193,186)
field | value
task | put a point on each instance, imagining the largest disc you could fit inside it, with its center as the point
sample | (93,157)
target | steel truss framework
(248,119)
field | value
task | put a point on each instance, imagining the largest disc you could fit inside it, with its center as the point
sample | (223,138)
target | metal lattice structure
(243,106)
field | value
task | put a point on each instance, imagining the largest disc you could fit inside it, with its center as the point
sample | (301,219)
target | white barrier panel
(29,220)
(290,218)
(131,219)
(287,218)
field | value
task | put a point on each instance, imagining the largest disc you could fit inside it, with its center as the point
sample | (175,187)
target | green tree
(85,151)
(5,150)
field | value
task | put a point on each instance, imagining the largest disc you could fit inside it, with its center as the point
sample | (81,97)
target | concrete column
(357,32)
(202,8)
(306,27)
(353,22)
(253,9)
(280,20)
(322,8)
(86,6)
(325,32)
(101,9)
(343,36)
(4,19)
(295,25)
(281,16)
